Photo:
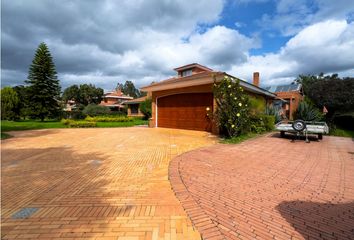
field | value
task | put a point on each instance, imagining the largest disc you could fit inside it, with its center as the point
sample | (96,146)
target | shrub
(232,114)
(257,105)
(145,108)
(96,110)
(66,121)
(268,121)
(82,124)
(307,112)
(74,114)
(108,119)
(272,111)
(257,124)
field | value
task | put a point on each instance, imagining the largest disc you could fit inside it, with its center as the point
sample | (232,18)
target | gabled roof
(136,100)
(202,78)
(284,88)
(116,94)
(193,65)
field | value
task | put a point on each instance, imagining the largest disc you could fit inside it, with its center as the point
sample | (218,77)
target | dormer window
(187,72)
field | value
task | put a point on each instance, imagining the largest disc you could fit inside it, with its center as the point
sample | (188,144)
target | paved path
(269,188)
(94,184)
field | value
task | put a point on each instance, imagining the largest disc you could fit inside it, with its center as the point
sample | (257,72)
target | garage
(185,111)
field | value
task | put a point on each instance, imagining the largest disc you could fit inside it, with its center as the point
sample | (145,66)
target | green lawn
(342,133)
(5,135)
(240,138)
(28,125)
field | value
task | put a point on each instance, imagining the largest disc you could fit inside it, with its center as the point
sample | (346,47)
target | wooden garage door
(185,111)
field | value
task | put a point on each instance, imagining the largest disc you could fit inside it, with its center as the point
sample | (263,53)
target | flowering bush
(232,107)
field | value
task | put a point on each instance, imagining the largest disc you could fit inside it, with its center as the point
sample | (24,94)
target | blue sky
(106,42)
(245,18)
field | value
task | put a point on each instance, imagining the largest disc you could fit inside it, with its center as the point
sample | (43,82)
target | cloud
(133,40)
(106,42)
(291,16)
(323,47)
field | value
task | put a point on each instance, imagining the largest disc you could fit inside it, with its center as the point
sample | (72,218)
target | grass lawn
(342,133)
(28,125)
(5,135)
(240,139)
(122,124)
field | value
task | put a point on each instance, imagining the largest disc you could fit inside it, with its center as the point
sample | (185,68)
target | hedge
(109,119)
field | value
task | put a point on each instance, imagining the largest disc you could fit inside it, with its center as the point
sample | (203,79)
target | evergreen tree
(9,101)
(44,89)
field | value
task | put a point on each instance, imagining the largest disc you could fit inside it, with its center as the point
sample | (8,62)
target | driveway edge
(207,228)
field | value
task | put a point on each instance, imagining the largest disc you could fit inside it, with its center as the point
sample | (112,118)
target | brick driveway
(269,188)
(94,184)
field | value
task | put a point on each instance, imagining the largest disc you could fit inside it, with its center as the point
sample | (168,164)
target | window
(186,73)
(134,108)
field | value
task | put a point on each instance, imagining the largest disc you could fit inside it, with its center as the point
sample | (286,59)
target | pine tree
(44,89)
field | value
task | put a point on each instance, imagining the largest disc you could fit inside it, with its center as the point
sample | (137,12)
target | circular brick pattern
(269,188)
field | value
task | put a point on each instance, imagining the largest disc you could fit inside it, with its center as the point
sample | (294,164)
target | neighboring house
(114,100)
(184,101)
(70,105)
(133,107)
(292,95)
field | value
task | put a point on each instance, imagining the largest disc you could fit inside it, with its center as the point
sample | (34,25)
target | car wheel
(320,136)
(282,134)
(299,125)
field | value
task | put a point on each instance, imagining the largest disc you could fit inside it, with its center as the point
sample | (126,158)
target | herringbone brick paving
(95,183)
(269,188)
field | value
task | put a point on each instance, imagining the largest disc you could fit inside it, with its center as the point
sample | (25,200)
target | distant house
(185,100)
(292,95)
(70,105)
(134,107)
(114,100)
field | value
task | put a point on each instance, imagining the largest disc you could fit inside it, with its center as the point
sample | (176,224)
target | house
(70,105)
(133,107)
(184,101)
(114,100)
(291,95)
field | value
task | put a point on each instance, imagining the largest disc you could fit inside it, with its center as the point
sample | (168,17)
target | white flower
(208,108)
(232,126)
(235,98)
(240,104)
(238,114)
(229,86)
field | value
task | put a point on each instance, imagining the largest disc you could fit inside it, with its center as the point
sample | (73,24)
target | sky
(104,42)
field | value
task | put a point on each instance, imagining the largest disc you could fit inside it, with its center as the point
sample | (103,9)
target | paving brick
(269,188)
(126,192)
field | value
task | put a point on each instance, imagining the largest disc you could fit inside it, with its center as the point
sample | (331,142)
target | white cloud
(326,47)
(143,41)
(292,16)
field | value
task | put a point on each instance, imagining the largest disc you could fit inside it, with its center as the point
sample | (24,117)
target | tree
(22,109)
(9,102)
(129,89)
(307,81)
(89,94)
(232,112)
(336,94)
(84,94)
(330,91)
(145,108)
(119,86)
(71,93)
(44,88)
